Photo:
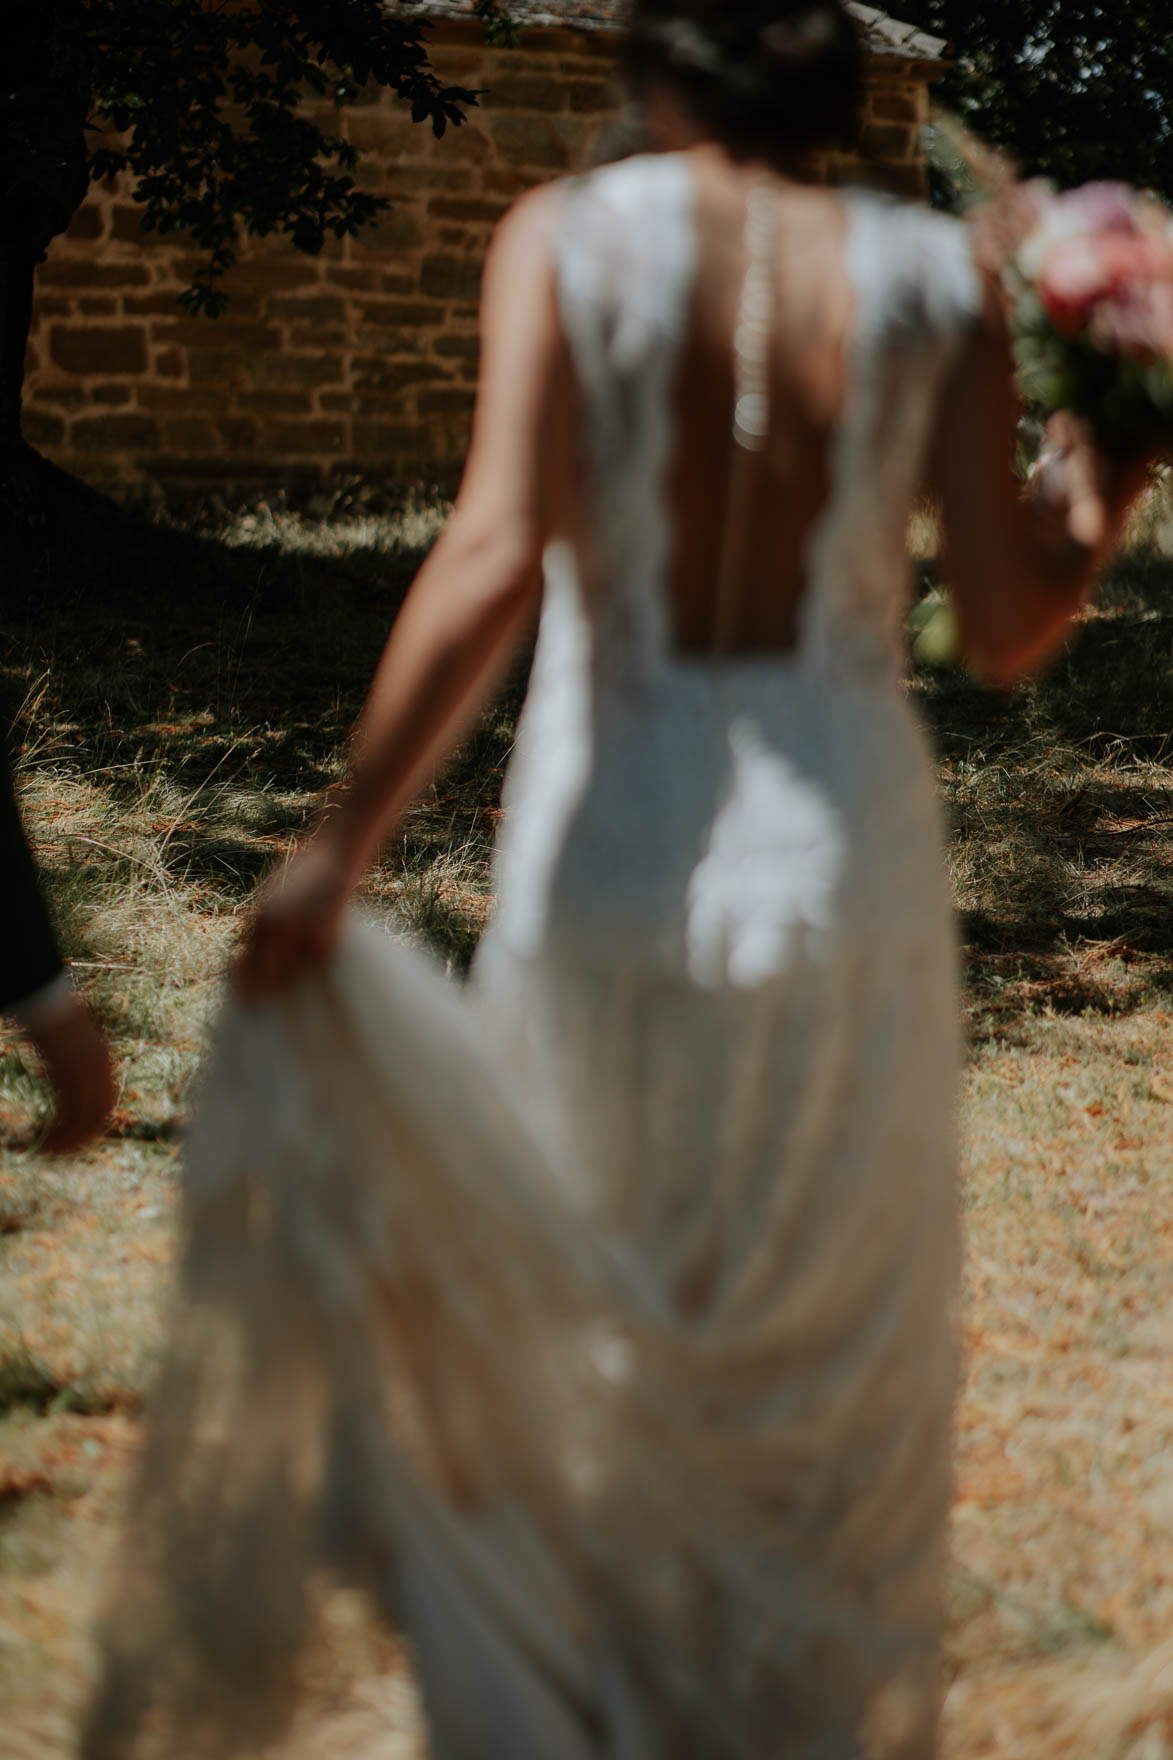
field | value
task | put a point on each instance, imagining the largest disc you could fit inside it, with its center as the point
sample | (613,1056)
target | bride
(599,1319)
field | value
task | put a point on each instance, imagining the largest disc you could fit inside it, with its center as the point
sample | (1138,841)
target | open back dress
(598,1316)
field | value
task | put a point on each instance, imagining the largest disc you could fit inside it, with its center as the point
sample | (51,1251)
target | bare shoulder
(927,265)
(526,231)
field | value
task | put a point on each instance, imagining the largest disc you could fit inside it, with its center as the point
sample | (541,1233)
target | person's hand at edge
(80,1073)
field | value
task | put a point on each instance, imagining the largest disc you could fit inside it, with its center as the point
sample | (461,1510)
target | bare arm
(1019,563)
(468,607)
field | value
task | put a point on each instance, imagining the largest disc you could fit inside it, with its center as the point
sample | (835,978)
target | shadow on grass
(194,651)
(1060,799)
(205,674)
(209,673)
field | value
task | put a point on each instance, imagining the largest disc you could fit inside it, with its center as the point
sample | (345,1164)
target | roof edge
(886,35)
(883,34)
(528,17)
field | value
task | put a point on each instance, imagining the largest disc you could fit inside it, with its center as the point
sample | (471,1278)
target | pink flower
(1100,207)
(1137,322)
(1081,272)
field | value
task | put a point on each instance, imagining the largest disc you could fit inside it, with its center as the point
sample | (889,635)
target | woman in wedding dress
(599,1318)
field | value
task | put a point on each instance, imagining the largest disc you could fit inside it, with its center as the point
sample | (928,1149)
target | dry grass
(1062,1577)
(1061,808)
(176,738)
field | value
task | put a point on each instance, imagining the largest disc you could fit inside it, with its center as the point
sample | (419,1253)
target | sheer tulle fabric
(377,1325)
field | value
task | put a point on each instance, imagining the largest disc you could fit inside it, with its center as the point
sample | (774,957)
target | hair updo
(767,77)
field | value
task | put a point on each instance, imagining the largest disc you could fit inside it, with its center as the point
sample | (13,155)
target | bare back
(866,304)
(810,321)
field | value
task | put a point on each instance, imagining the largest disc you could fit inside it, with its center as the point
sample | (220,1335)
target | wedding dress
(598,1317)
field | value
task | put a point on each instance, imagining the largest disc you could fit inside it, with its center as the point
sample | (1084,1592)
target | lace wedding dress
(597,1318)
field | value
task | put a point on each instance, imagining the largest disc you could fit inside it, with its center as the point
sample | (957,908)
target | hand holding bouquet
(1089,281)
(1087,277)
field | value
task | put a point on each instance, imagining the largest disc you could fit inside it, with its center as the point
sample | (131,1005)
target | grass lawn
(178,729)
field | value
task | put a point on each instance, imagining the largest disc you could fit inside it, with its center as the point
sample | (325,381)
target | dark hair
(768,77)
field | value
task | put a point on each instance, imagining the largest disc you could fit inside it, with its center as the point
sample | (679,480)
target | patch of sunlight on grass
(1150,526)
(414,527)
(1060,1591)
(924,533)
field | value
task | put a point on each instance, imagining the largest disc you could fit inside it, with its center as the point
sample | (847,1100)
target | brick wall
(360,362)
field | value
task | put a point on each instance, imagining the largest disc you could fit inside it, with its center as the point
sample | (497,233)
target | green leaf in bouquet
(933,625)
(1158,380)
(1029,317)
(1129,402)
(1063,388)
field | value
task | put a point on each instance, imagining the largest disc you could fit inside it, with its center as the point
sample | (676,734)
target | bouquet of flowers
(1089,279)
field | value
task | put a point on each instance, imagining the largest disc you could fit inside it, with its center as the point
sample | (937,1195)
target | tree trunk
(44,174)
(35,496)
(17,273)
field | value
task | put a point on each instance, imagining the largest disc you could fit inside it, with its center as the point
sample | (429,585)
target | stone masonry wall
(361,362)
